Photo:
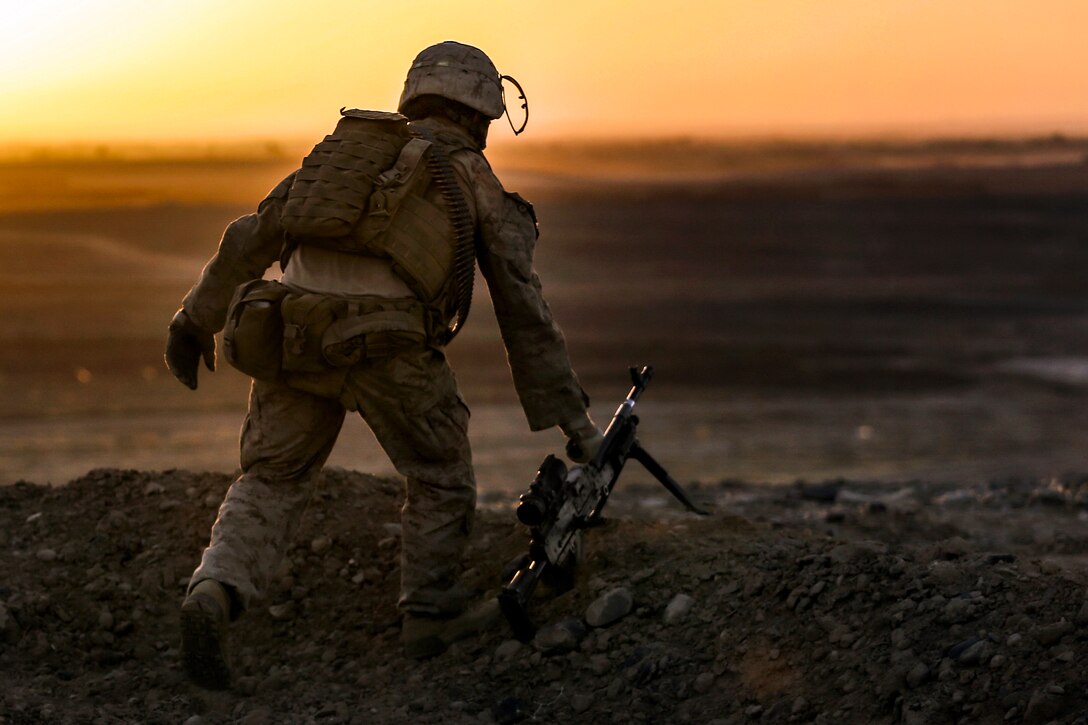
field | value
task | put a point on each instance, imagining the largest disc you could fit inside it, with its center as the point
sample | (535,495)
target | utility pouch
(374,334)
(253,335)
(306,316)
(321,332)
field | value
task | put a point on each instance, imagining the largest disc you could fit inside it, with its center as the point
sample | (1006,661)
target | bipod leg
(641,455)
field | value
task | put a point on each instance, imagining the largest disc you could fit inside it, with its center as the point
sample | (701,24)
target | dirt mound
(825,603)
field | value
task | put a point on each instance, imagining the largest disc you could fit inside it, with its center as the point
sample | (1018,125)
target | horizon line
(273,146)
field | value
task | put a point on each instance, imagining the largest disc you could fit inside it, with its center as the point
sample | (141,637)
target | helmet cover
(458,72)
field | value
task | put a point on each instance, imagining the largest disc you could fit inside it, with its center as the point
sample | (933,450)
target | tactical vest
(375,187)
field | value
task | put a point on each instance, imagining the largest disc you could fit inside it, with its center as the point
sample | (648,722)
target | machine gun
(560,504)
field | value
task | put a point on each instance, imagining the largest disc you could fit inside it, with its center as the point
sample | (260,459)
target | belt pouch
(253,335)
(306,316)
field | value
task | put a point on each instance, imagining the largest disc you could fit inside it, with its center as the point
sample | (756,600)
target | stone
(599,664)
(1043,707)
(917,675)
(282,612)
(320,544)
(46,555)
(508,650)
(610,607)
(1050,634)
(956,651)
(978,653)
(678,608)
(563,636)
(703,682)
(957,610)
(257,716)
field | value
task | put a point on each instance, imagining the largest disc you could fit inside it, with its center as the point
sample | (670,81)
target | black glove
(185,345)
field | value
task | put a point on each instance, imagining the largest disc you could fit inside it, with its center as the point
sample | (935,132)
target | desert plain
(884,311)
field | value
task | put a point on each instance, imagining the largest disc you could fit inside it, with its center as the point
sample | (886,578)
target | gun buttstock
(517,616)
(514,600)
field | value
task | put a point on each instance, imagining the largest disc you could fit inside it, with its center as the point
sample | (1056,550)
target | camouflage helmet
(458,72)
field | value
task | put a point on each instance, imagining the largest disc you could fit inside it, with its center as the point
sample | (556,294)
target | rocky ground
(830,603)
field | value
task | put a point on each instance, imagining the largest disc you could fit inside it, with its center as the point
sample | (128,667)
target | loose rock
(609,608)
(563,636)
(678,608)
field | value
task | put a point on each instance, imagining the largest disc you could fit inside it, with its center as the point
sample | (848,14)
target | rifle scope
(545,493)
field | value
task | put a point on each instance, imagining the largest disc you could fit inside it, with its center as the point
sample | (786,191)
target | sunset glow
(134,70)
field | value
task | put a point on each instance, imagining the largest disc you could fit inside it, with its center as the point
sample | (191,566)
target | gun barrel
(640,379)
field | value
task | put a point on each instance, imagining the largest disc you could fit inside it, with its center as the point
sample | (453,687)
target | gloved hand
(185,345)
(583,438)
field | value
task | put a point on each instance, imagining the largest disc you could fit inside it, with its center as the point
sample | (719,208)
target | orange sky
(200,69)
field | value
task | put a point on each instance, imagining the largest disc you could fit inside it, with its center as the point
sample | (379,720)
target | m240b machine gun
(561,503)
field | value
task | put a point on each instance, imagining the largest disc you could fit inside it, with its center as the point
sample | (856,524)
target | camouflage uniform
(410,401)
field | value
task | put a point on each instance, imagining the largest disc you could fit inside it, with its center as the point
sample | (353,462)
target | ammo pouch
(321,332)
(253,335)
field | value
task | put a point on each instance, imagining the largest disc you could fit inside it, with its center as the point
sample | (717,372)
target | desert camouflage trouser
(412,405)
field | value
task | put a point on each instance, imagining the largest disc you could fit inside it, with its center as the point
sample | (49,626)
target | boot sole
(203,647)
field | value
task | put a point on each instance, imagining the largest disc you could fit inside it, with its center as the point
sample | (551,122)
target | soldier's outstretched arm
(546,384)
(250,245)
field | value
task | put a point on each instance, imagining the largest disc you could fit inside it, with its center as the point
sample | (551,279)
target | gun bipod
(658,471)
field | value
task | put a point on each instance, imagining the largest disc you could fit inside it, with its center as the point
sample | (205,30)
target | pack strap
(391,187)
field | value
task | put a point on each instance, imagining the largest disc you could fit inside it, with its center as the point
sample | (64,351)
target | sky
(168,70)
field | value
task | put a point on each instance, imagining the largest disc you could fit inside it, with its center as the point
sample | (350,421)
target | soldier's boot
(205,615)
(424,636)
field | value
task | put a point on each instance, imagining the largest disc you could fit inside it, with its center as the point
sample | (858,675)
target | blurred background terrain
(875,310)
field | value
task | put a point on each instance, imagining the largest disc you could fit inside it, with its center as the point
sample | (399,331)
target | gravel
(930,607)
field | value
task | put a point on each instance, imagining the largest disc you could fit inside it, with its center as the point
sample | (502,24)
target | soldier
(376,235)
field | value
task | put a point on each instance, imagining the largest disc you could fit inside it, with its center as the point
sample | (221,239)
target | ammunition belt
(464,261)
